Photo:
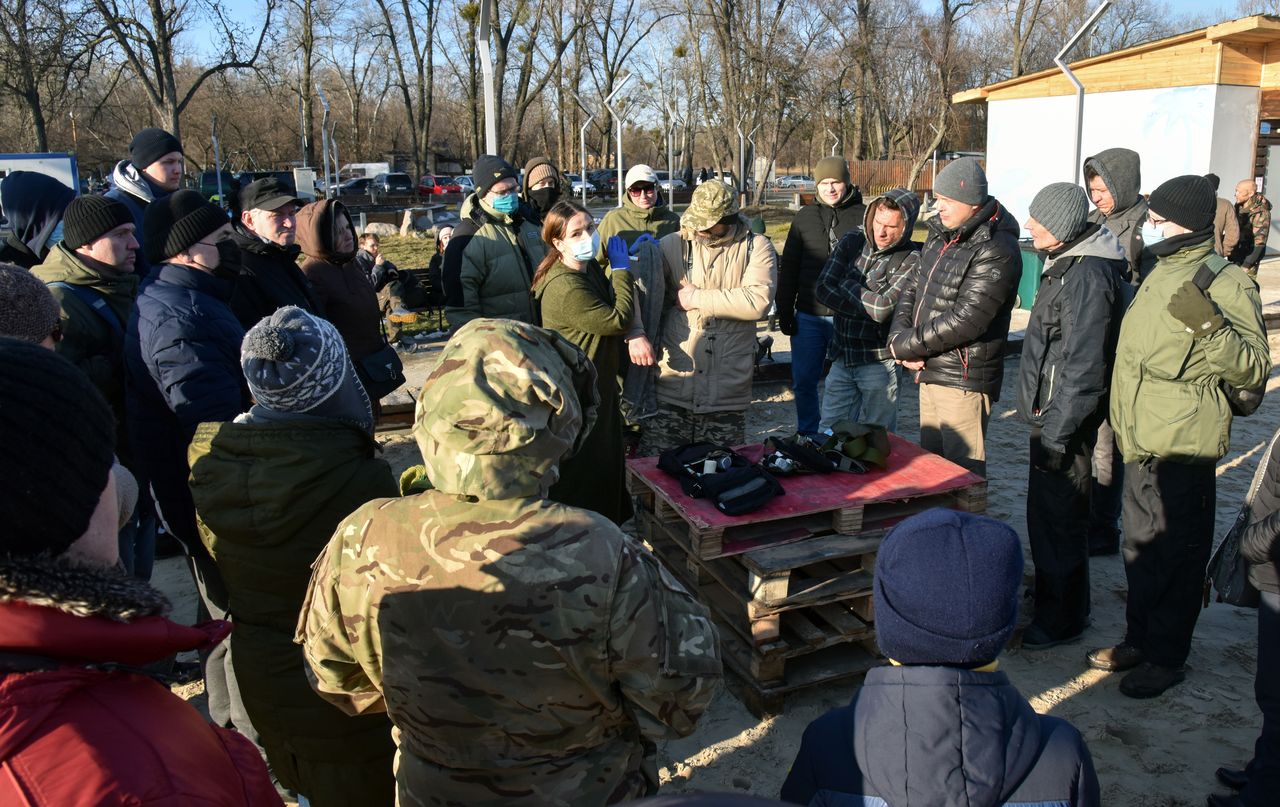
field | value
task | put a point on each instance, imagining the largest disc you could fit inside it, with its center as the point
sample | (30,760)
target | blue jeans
(138,540)
(864,393)
(808,355)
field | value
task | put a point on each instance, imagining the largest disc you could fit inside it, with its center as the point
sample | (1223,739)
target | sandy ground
(1147,753)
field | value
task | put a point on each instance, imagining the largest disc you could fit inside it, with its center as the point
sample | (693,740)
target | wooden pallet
(816,504)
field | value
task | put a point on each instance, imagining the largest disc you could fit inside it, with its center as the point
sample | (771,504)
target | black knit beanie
(88,218)
(1214,181)
(177,221)
(488,171)
(1188,201)
(150,145)
(57,438)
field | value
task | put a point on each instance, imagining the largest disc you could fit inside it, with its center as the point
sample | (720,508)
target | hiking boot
(1149,680)
(1123,656)
(1217,800)
(1232,777)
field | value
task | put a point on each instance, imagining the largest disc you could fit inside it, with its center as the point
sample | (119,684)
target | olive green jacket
(1166,396)
(268,497)
(489,266)
(88,341)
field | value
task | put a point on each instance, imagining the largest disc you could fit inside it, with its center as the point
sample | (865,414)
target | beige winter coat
(708,353)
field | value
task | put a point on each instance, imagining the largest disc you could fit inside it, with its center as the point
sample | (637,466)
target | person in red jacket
(81,721)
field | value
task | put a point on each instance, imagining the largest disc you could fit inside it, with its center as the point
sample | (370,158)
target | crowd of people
(483,630)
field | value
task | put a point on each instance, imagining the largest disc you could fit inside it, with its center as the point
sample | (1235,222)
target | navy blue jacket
(182,368)
(940,736)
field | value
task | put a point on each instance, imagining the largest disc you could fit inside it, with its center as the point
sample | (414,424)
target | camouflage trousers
(674,426)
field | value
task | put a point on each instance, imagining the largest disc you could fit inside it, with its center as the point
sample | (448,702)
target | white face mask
(585,248)
(1151,233)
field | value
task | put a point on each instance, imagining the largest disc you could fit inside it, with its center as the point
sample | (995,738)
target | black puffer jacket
(956,317)
(269,279)
(1070,346)
(814,233)
(1260,543)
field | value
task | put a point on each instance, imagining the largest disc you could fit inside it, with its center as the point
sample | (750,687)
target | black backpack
(718,473)
(1244,402)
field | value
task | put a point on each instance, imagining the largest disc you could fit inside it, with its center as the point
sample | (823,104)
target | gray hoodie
(1121,171)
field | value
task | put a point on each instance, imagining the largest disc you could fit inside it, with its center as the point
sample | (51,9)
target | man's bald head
(1244,189)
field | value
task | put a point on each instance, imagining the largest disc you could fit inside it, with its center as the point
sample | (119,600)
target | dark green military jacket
(268,497)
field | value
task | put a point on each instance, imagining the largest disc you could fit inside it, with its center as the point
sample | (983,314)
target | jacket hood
(635,212)
(62,265)
(910,206)
(1121,172)
(129,179)
(263,478)
(1097,242)
(505,405)
(317,231)
(59,609)
(528,168)
(33,203)
(972,739)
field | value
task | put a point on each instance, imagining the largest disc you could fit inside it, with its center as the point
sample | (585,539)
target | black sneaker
(1123,656)
(1232,777)
(1037,638)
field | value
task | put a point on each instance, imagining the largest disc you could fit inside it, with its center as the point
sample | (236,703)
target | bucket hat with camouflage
(507,402)
(711,202)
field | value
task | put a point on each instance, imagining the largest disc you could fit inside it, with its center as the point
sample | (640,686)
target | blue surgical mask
(55,237)
(506,203)
(584,249)
(1151,234)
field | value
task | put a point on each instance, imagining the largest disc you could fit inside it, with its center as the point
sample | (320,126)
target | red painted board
(912,472)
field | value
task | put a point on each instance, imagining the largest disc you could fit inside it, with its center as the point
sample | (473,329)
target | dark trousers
(1264,770)
(1108,490)
(1168,534)
(1058,527)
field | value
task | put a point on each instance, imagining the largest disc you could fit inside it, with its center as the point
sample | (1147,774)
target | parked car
(578,183)
(605,179)
(796,182)
(209,184)
(466,183)
(669,185)
(396,183)
(356,186)
(285,178)
(429,184)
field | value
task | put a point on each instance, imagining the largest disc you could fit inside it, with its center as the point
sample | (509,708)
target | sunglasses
(641,190)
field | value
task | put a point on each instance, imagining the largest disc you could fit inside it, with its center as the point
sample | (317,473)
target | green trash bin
(1032,266)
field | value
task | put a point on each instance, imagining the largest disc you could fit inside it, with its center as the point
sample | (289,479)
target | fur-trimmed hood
(55,608)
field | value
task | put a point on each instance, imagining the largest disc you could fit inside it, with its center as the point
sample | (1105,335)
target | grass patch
(407,252)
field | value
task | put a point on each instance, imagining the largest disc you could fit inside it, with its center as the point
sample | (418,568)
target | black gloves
(1194,309)
(787,324)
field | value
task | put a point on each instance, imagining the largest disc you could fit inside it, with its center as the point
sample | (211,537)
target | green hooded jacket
(489,265)
(529,653)
(1166,395)
(268,496)
(88,341)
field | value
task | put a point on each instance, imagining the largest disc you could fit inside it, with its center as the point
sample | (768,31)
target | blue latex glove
(644,238)
(617,250)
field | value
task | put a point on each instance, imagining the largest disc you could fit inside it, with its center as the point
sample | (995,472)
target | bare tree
(147,37)
(410,29)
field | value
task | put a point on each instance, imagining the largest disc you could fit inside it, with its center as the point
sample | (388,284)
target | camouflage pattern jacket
(1257,209)
(528,653)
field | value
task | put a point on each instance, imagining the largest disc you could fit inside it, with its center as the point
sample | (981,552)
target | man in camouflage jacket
(528,653)
(1254,212)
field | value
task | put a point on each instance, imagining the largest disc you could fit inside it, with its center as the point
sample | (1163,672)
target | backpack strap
(97,302)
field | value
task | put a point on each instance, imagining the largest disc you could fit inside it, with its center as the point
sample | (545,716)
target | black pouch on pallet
(854,446)
(794,455)
(739,490)
(718,473)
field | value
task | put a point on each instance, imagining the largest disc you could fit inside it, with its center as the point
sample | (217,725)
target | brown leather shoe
(1149,680)
(1123,656)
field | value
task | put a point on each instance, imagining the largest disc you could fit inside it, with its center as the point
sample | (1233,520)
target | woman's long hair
(553,228)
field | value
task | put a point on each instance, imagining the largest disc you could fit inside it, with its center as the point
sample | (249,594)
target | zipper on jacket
(1052,371)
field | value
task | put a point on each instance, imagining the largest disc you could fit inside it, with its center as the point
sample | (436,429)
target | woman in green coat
(591,307)
(270,488)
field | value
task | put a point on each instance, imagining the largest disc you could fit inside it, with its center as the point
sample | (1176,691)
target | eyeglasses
(641,190)
(1157,222)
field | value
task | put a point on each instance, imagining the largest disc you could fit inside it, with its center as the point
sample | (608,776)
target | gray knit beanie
(1061,208)
(962,180)
(831,168)
(296,363)
(27,309)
